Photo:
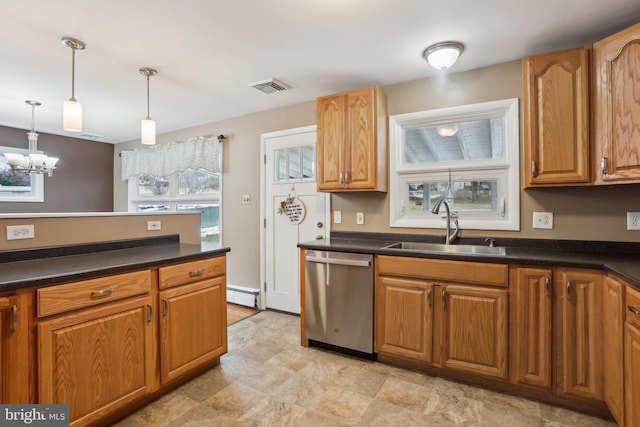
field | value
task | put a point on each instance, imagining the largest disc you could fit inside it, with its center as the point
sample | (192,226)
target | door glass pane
(149,185)
(294,163)
(470,196)
(454,142)
(198,182)
(153,208)
(308,162)
(210,219)
(280,169)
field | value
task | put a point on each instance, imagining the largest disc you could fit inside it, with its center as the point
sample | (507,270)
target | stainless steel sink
(442,248)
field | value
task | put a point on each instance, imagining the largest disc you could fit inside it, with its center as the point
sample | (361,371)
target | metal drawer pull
(198,272)
(149,313)
(14,315)
(102,293)
(568,290)
(429,298)
(546,286)
(633,309)
(165,307)
(444,300)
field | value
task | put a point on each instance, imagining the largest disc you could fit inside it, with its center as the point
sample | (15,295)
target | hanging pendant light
(148,126)
(35,162)
(72,109)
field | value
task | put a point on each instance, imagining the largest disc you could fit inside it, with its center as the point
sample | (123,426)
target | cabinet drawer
(451,271)
(188,272)
(633,306)
(61,298)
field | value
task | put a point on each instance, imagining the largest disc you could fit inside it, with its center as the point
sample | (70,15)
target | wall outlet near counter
(15,232)
(360,218)
(337,217)
(154,225)
(543,220)
(633,220)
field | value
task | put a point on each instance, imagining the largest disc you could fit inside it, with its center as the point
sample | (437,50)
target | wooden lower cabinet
(613,324)
(532,326)
(632,374)
(97,360)
(193,327)
(404,318)
(580,351)
(14,371)
(474,330)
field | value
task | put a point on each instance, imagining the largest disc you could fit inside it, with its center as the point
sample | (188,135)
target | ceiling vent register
(270,86)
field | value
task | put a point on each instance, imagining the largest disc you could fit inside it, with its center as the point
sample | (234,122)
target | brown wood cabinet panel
(633,306)
(193,326)
(330,150)
(189,272)
(87,293)
(474,330)
(404,318)
(616,62)
(97,360)
(556,118)
(580,359)
(632,374)
(532,306)
(14,357)
(613,324)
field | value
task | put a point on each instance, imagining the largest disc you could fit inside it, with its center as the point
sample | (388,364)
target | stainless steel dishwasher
(339,300)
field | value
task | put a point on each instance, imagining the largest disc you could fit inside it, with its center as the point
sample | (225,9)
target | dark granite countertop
(620,258)
(46,266)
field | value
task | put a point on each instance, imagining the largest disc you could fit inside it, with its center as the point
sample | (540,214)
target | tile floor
(268,379)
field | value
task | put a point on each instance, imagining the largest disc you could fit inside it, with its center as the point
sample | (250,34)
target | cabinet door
(532,309)
(361,139)
(14,371)
(474,330)
(330,148)
(556,118)
(632,374)
(404,318)
(193,326)
(616,108)
(613,324)
(97,360)
(580,353)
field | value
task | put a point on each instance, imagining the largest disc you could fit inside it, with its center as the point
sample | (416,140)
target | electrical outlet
(337,217)
(15,232)
(543,220)
(153,225)
(360,218)
(246,199)
(633,220)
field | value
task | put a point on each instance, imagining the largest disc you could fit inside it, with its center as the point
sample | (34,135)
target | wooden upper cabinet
(556,118)
(580,352)
(352,141)
(616,118)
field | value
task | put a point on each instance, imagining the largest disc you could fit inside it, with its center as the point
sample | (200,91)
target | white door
(289,172)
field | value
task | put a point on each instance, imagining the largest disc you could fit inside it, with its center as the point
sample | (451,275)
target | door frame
(262,303)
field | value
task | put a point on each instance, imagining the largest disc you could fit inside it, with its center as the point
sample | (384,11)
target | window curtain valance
(202,152)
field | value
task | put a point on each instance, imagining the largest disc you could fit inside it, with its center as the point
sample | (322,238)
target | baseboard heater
(242,295)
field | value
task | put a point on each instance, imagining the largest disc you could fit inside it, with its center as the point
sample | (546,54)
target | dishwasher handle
(338,261)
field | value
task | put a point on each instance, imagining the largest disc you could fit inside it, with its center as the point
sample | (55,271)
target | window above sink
(467,154)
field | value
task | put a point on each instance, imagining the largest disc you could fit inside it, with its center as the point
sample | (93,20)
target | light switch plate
(154,225)
(360,218)
(246,199)
(337,217)
(543,220)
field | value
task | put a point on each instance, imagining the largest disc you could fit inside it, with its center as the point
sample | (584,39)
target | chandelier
(35,162)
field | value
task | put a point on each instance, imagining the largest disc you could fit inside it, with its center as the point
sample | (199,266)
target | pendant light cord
(148,116)
(73,73)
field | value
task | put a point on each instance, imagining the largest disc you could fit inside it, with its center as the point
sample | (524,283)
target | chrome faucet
(449,237)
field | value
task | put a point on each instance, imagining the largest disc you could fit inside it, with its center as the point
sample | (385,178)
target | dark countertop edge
(111,262)
(620,258)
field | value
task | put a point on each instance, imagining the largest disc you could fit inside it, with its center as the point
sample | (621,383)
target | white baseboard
(243,295)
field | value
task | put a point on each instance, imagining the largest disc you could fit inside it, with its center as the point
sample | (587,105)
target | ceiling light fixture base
(443,55)
(73,43)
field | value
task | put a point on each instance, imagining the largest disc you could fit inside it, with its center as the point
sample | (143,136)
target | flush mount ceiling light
(72,109)
(35,162)
(148,126)
(443,55)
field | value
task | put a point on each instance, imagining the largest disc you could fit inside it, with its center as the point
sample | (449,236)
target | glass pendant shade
(148,131)
(72,116)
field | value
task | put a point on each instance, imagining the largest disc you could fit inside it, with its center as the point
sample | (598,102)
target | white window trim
(401,174)
(37,182)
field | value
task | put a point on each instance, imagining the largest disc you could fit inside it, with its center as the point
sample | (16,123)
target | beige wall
(580,213)
(61,229)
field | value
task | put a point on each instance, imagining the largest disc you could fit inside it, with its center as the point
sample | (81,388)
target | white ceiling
(207,52)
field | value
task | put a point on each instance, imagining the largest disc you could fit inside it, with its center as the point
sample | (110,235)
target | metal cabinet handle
(165,307)
(102,293)
(633,309)
(429,298)
(195,273)
(547,286)
(149,313)
(534,169)
(603,165)
(341,178)
(568,290)
(444,300)
(347,177)
(14,318)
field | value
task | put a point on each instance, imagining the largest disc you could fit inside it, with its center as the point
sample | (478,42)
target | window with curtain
(178,177)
